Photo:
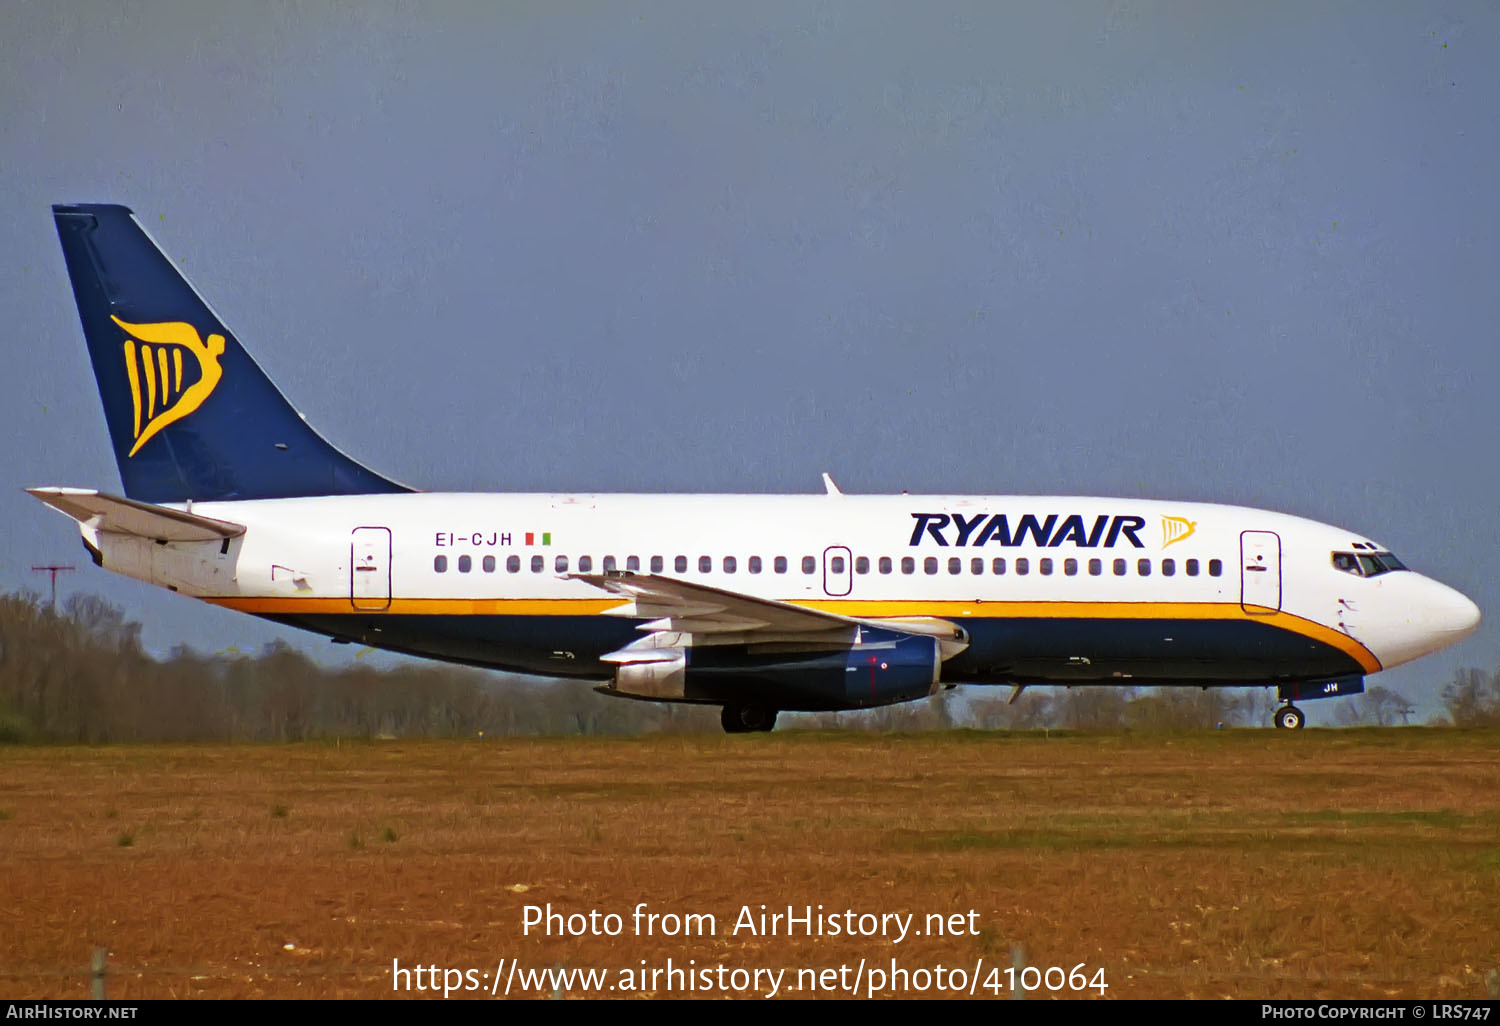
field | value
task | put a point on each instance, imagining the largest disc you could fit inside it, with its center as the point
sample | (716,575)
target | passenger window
(780,564)
(929,565)
(1023,565)
(489,564)
(1168,567)
(753,565)
(1192,567)
(836,565)
(609,564)
(809,565)
(885,564)
(512,564)
(908,565)
(1070,567)
(955,565)
(585,564)
(561,563)
(633,563)
(1119,568)
(465,564)
(1096,567)
(1045,566)
(1215,568)
(680,563)
(861,564)
(657,564)
(997,566)
(538,564)
(730,564)
(440,564)
(705,564)
(1143,567)
(976,565)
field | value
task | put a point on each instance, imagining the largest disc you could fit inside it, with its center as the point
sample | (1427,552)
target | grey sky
(1208,252)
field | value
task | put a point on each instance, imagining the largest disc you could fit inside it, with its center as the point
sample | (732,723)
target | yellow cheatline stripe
(423,607)
(956,611)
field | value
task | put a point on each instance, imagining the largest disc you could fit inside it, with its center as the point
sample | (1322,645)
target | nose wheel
(1289,717)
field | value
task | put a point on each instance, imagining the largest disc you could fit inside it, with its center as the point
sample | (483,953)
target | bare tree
(994,709)
(1092,707)
(1186,708)
(1472,699)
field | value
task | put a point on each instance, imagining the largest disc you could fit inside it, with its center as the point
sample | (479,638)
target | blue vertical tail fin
(191,415)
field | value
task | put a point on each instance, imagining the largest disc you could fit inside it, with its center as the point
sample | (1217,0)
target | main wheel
(759,718)
(1289,717)
(744,719)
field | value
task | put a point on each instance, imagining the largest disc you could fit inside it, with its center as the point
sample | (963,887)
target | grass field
(1354,863)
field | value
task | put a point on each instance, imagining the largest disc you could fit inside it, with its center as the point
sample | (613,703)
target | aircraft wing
(112,513)
(684,615)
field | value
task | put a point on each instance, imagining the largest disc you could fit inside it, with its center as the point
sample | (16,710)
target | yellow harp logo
(1174,529)
(154,357)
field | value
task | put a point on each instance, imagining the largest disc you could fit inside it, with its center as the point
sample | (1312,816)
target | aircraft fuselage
(1047,589)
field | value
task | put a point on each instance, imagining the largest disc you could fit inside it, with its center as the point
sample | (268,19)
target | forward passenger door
(1260,572)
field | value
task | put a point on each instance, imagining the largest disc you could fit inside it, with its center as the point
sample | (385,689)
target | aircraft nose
(1456,614)
(1418,616)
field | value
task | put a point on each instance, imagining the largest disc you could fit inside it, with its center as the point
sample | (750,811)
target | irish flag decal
(546,538)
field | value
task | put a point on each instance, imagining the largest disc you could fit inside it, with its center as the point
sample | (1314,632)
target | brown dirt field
(1249,864)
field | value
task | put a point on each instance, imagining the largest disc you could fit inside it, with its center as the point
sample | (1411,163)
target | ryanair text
(1050,531)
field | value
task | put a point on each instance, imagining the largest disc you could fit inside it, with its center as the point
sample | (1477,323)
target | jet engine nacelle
(662,680)
(883,668)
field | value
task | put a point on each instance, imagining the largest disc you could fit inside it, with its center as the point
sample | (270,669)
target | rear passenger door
(370,568)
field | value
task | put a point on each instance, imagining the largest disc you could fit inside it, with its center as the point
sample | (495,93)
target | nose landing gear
(1289,717)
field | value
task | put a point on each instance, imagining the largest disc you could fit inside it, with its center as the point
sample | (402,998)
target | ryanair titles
(1049,532)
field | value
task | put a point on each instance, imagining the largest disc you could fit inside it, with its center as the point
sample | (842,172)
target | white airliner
(756,603)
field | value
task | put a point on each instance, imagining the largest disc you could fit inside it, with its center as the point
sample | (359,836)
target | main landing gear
(747,719)
(1289,717)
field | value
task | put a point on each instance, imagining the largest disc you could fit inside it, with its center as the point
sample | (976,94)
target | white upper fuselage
(1152,556)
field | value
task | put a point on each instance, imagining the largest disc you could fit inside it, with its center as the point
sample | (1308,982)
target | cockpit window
(1366,564)
(1384,563)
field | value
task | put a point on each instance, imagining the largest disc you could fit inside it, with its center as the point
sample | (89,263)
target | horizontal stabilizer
(114,514)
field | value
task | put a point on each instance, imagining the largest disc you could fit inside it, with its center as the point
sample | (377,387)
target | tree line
(80,674)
